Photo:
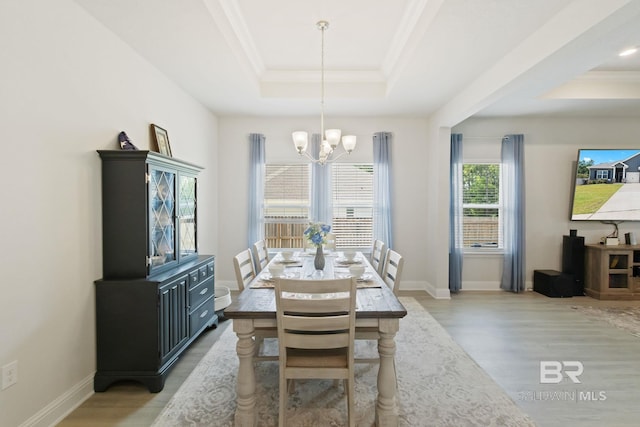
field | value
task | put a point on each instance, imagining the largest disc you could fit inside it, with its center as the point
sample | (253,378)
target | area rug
(438,385)
(625,318)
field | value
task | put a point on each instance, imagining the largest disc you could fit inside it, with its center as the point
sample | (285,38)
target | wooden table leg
(386,412)
(246,388)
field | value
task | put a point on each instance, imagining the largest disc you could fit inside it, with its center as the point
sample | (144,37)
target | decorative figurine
(125,142)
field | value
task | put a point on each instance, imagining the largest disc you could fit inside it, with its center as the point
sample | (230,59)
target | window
(482,207)
(286,204)
(352,187)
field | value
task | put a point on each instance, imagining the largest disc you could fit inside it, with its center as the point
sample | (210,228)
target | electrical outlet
(9,374)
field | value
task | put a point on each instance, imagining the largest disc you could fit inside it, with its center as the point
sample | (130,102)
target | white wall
(67,88)
(409,154)
(551,150)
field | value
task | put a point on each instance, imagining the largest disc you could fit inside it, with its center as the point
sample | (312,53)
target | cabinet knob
(204,313)
(204,291)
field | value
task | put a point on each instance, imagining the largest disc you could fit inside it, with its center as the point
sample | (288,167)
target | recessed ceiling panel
(359,35)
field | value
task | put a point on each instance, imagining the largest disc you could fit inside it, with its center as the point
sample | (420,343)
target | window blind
(286,195)
(352,188)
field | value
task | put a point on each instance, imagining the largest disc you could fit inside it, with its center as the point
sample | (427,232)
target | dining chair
(377,255)
(245,273)
(316,327)
(392,271)
(260,255)
(331,241)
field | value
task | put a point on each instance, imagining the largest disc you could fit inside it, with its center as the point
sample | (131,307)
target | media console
(613,272)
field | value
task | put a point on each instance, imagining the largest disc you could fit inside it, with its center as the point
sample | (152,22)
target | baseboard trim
(480,286)
(62,406)
(437,293)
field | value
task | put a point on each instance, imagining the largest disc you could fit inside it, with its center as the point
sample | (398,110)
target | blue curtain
(455,214)
(321,204)
(513,273)
(382,187)
(256,188)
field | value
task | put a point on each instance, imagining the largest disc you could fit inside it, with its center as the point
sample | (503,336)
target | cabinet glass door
(162,232)
(187,216)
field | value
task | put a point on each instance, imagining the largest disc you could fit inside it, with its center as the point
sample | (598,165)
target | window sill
(483,252)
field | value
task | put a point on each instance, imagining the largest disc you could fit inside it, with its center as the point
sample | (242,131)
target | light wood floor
(506,334)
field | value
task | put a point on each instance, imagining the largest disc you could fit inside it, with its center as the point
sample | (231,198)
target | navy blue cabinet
(157,293)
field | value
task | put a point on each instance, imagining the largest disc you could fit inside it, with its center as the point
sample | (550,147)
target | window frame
(486,250)
(274,221)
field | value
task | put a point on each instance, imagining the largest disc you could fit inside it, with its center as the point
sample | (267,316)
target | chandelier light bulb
(300,140)
(349,143)
(333,137)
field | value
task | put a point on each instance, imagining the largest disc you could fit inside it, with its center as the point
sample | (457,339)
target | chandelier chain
(323,26)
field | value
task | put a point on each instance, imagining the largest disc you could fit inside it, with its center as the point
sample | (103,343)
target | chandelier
(330,137)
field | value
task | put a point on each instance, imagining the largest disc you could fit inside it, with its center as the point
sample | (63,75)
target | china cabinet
(157,292)
(148,213)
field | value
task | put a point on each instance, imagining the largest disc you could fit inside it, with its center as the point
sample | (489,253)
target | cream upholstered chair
(316,326)
(377,255)
(392,271)
(245,271)
(260,255)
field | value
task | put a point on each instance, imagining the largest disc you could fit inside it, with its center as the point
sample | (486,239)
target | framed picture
(161,138)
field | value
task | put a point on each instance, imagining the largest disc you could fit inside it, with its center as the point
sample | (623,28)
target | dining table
(377,308)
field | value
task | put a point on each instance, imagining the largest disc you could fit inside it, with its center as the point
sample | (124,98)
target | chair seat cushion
(325,358)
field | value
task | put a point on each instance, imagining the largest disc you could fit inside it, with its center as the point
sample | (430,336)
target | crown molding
(417,17)
(228,17)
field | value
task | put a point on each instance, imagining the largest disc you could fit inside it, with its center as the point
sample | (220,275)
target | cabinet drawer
(210,269)
(203,272)
(194,278)
(201,316)
(200,293)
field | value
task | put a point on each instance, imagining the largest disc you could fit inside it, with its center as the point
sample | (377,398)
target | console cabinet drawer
(200,293)
(201,316)
(194,278)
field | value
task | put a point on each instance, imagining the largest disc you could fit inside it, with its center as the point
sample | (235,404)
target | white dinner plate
(267,276)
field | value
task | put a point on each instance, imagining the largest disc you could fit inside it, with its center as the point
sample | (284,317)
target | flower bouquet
(316,234)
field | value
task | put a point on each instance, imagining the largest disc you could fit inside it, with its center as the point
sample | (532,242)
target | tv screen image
(607,185)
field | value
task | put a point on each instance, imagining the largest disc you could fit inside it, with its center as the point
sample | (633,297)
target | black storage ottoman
(553,283)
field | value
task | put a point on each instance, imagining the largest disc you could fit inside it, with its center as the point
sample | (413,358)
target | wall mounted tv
(607,185)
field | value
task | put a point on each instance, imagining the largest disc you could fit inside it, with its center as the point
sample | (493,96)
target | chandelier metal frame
(331,137)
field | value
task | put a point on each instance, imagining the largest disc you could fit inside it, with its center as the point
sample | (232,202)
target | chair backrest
(315,314)
(245,273)
(260,255)
(377,255)
(331,241)
(392,271)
